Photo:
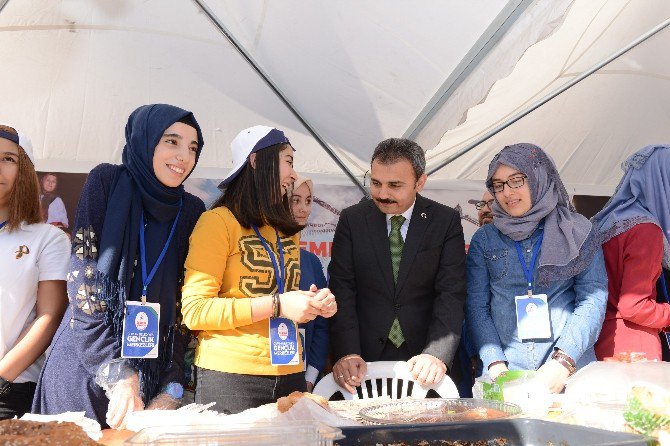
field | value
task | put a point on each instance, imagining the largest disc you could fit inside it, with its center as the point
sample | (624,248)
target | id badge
(284,348)
(140,330)
(532,317)
(303,337)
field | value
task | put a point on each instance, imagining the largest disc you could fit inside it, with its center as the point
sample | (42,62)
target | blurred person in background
(316,337)
(53,208)
(635,228)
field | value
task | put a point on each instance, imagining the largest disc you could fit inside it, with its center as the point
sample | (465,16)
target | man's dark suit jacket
(428,298)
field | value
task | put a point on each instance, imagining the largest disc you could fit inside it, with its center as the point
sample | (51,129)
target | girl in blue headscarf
(130,241)
(635,227)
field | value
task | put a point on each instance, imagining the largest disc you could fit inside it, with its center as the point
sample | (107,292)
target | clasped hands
(304,306)
(350,370)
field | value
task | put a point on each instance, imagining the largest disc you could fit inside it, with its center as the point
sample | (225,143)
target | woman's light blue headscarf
(642,196)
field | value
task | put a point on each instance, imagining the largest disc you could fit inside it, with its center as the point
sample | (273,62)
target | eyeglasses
(480,204)
(512,183)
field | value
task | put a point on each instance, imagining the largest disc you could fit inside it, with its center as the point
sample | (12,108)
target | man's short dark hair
(392,150)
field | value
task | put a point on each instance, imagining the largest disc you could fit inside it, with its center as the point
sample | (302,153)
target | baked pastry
(22,432)
(286,402)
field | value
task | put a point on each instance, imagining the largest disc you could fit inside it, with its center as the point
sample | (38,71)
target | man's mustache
(385,201)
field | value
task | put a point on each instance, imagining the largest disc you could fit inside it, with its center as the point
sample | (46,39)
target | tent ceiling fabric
(540,20)
(591,128)
(358,71)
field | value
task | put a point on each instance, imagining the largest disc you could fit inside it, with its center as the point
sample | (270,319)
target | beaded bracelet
(274,306)
(276,310)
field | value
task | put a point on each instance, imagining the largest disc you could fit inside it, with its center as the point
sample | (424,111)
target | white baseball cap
(249,141)
(22,140)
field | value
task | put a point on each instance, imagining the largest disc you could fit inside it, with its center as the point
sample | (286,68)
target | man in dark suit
(398,273)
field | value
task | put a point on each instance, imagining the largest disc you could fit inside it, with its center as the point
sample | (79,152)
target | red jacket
(633,319)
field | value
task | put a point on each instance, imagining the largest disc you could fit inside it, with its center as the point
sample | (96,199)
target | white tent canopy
(356,71)
(592,127)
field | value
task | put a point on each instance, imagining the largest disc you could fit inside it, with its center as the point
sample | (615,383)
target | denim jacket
(495,276)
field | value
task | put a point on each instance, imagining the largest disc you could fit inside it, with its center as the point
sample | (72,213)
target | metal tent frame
(505,19)
(658,28)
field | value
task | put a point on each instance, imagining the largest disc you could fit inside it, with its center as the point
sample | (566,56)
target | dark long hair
(254,196)
(24,201)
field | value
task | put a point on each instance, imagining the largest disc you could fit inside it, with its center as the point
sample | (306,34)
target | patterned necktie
(397,243)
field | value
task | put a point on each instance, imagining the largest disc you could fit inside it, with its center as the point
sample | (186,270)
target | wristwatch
(175,390)
(5,386)
(565,360)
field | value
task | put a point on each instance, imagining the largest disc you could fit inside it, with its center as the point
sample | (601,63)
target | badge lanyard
(279,270)
(147,278)
(528,270)
(283,332)
(3,224)
(667,299)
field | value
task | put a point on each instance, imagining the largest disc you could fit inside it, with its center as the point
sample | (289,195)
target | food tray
(259,434)
(516,432)
(447,410)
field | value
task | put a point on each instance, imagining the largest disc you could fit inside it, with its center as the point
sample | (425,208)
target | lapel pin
(23,250)
(423,215)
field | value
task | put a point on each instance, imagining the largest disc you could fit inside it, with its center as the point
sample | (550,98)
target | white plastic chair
(389,376)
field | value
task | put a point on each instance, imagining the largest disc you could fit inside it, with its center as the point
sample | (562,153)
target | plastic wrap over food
(611,382)
(601,395)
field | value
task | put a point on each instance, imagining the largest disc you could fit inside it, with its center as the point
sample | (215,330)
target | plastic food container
(261,434)
(455,410)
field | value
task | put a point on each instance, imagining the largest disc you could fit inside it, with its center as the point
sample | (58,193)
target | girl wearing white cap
(33,266)
(241,283)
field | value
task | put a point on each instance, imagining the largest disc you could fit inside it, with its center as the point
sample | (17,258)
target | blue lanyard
(2,225)
(665,294)
(664,286)
(279,275)
(146,279)
(528,270)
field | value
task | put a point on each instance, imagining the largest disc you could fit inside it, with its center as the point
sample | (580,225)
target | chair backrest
(387,379)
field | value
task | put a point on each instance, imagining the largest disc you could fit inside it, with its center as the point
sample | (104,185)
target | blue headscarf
(642,196)
(135,190)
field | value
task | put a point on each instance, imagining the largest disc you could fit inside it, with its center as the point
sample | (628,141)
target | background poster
(330,200)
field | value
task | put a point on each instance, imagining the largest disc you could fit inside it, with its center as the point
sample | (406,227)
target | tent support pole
(3,3)
(551,95)
(240,48)
(496,31)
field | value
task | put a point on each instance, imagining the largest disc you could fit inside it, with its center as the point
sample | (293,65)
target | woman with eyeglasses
(537,286)
(635,227)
